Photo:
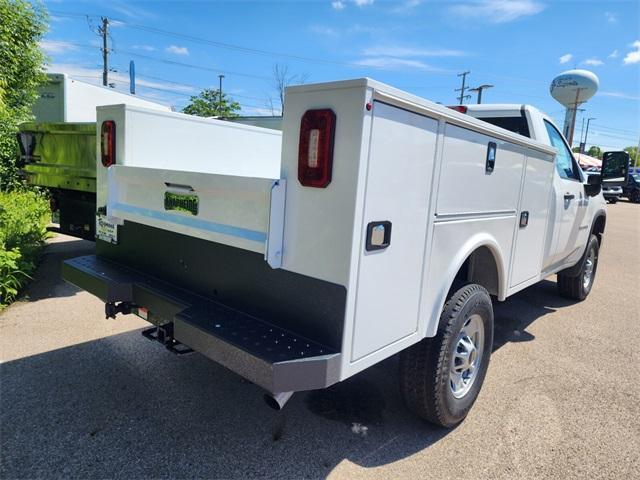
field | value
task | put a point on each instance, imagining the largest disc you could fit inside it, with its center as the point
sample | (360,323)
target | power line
(189,65)
(198,87)
(231,46)
(617,129)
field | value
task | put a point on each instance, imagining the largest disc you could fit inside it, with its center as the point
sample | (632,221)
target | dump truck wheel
(441,376)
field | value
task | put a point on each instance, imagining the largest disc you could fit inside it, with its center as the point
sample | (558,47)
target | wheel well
(480,267)
(598,227)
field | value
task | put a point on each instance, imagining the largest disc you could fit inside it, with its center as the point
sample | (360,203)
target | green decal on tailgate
(181,202)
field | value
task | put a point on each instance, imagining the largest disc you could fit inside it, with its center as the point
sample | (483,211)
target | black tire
(635,196)
(576,287)
(425,367)
(613,201)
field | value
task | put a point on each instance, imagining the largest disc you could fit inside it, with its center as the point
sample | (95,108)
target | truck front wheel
(441,377)
(578,287)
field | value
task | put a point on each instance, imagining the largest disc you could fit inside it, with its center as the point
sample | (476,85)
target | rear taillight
(458,108)
(108,143)
(315,149)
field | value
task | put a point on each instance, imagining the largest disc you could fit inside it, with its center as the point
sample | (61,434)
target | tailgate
(242,212)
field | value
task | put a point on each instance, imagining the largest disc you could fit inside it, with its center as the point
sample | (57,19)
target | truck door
(569,201)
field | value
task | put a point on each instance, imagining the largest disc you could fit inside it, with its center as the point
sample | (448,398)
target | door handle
(569,196)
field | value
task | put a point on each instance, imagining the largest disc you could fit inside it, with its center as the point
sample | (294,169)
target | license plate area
(105,230)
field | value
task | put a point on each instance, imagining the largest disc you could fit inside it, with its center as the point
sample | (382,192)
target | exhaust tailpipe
(277,400)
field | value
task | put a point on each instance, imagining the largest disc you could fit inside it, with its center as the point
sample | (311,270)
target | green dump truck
(58,149)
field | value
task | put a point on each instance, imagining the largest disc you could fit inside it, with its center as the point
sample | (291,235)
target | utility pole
(479,90)
(581,137)
(220,77)
(463,88)
(104,30)
(586,134)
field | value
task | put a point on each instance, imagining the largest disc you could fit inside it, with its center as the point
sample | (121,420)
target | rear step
(274,358)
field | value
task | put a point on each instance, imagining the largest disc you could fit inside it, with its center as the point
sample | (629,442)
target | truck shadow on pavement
(47,282)
(123,407)
(513,316)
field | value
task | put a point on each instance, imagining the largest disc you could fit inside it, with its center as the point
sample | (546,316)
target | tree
(633,153)
(282,78)
(209,104)
(594,152)
(22,25)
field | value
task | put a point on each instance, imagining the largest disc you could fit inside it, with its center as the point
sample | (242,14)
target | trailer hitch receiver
(111,309)
(164,335)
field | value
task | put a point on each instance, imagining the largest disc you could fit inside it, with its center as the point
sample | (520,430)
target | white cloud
(498,11)
(177,50)
(56,46)
(611,17)
(146,48)
(363,3)
(116,23)
(130,10)
(395,51)
(324,30)
(624,96)
(565,58)
(593,62)
(614,54)
(391,63)
(634,55)
(338,5)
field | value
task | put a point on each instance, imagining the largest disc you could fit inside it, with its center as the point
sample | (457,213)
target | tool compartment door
(534,214)
(399,177)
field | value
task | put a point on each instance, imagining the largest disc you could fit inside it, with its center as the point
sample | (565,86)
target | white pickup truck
(376,223)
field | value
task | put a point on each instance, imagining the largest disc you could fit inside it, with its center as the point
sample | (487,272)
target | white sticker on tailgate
(106,230)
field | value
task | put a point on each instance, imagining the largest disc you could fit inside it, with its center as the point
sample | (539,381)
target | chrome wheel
(467,355)
(589,265)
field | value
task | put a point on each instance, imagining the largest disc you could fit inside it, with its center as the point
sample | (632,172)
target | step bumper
(274,358)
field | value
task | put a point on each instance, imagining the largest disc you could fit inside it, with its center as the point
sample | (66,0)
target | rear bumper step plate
(272,357)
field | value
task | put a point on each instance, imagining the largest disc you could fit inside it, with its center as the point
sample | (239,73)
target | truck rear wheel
(441,377)
(578,287)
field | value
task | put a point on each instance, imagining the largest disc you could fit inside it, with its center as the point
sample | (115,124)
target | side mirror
(615,168)
(593,185)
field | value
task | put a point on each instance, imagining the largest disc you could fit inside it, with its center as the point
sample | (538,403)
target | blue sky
(419,46)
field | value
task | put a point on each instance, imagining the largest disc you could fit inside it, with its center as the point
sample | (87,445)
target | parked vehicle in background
(58,148)
(611,193)
(631,190)
(375,223)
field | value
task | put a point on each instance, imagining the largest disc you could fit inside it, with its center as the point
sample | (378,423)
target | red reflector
(458,108)
(108,143)
(315,149)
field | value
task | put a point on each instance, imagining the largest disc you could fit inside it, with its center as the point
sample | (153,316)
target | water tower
(571,89)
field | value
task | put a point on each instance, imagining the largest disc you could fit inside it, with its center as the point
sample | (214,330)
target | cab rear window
(513,124)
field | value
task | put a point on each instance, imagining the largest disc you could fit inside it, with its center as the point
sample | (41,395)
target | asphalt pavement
(84,397)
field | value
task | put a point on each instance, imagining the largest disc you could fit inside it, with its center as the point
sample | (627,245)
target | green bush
(24,216)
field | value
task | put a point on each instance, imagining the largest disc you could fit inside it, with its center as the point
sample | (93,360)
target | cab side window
(565,164)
